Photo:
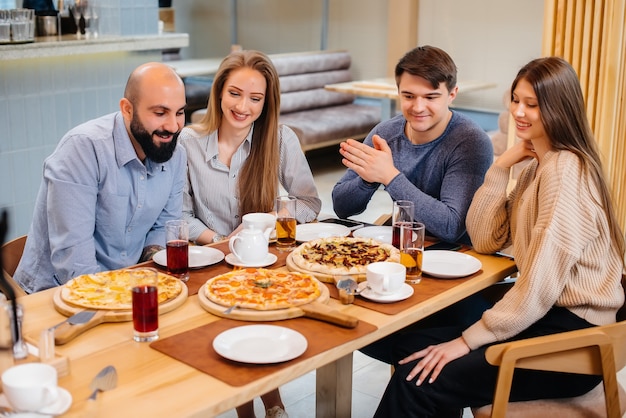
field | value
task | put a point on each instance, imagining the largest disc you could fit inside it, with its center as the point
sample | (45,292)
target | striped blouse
(210,199)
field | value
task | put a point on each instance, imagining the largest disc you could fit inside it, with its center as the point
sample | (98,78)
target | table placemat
(198,277)
(195,347)
(426,289)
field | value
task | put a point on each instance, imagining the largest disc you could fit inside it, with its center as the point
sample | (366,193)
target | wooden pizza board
(318,309)
(67,332)
(326,278)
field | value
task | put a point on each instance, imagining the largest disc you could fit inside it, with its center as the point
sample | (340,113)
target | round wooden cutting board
(254,315)
(116,315)
(326,278)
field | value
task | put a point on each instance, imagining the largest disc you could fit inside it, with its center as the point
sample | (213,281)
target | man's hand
(148,252)
(433,358)
(372,164)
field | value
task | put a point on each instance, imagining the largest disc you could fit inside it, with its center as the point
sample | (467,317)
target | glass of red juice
(177,248)
(403,211)
(145,292)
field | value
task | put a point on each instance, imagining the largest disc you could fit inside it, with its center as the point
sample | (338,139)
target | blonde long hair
(258,178)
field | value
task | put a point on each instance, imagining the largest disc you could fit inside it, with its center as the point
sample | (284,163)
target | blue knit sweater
(440,176)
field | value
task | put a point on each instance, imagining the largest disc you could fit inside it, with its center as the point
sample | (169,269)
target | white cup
(30,387)
(259,220)
(249,246)
(385,278)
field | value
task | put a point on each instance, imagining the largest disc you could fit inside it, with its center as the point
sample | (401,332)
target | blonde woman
(238,156)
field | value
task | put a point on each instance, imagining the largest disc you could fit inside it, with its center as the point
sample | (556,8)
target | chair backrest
(11,255)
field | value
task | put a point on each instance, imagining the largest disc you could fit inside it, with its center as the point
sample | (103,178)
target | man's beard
(158,153)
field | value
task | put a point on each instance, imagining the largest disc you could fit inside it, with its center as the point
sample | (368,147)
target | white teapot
(266,222)
(250,245)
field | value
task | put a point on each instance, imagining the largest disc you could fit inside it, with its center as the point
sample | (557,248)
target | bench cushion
(317,128)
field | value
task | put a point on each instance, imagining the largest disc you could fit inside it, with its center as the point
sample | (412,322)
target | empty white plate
(260,344)
(199,256)
(315,230)
(379,233)
(449,264)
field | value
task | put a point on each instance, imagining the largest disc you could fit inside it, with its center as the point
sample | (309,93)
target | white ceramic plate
(449,264)
(405,292)
(199,256)
(234,261)
(315,230)
(260,344)
(379,233)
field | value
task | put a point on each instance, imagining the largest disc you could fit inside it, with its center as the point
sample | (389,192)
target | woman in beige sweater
(568,247)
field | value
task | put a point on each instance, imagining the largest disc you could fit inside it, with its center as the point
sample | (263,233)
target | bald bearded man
(110,186)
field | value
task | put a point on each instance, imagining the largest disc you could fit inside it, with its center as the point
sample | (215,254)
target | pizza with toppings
(262,289)
(342,255)
(112,290)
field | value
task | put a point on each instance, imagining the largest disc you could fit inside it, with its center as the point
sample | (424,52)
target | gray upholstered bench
(319,117)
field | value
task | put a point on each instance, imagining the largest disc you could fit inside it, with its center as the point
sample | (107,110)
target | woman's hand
(520,151)
(434,358)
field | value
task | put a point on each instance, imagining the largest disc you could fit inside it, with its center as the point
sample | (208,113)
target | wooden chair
(598,350)
(11,255)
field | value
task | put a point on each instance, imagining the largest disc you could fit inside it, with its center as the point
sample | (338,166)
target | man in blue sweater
(429,154)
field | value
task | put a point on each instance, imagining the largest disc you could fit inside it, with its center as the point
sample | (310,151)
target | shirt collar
(212,149)
(124,150)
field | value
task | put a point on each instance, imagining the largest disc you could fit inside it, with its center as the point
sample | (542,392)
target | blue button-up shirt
(98,205)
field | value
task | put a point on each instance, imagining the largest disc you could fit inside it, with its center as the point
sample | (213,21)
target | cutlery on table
(77,319)
(69,330)
(106,379)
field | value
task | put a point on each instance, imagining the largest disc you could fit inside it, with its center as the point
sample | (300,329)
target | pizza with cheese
(113,290)
(262,289)
(342,255)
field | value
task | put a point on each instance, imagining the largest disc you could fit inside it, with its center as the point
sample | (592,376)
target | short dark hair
(430,63)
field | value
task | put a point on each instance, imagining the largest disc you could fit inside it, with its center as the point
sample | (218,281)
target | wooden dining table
(156,384)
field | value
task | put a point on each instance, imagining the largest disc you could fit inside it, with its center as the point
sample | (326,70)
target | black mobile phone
(352,225)
(442,245)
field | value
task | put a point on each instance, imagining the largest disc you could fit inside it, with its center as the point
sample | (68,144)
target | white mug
(385,278)
(30,387)
(249,246)
(259,220)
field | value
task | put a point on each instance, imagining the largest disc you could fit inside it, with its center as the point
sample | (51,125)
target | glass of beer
(177,248)
(412,250)
(285,223)
(403,211)
(145,304)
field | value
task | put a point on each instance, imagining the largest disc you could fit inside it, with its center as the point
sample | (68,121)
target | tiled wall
(123,17)
(40,100)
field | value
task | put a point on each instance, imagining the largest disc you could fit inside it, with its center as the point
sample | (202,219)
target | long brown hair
(258,178)
(562,111)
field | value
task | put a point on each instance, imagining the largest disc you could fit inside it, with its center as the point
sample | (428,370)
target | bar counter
(57,46)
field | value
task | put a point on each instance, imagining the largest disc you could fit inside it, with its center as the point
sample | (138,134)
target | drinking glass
(403,211)
(78,10)
(412,250)
(285,223)
(5,26)
(145,304)
(177,248)
(20,26)
(91,20)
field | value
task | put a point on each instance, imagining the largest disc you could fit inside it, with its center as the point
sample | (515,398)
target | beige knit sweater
(561,242)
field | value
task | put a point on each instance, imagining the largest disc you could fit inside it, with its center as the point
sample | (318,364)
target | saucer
(269,260)
(405,292)
(58,407)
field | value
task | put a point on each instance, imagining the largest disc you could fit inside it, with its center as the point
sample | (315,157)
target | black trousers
(470,381)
